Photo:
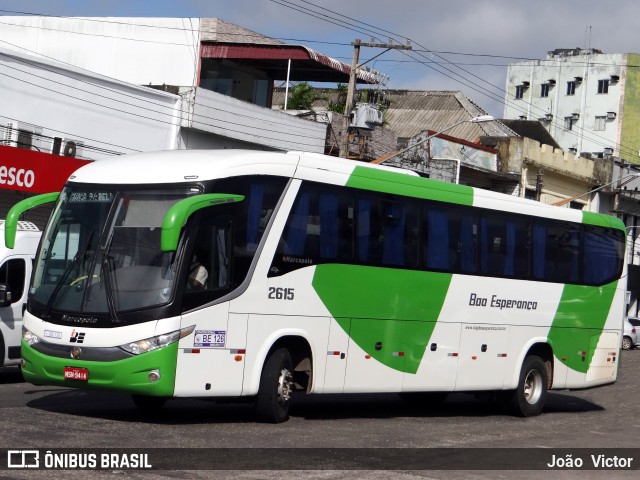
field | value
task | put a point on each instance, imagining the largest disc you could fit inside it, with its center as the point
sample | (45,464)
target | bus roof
(175,166)
(186,166)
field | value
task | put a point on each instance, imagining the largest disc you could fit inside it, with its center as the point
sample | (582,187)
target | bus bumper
(130,375)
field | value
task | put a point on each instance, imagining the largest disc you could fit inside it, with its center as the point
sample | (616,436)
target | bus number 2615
(280,293)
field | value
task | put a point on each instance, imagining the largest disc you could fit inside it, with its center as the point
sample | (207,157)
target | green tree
(301,97)
(339,104)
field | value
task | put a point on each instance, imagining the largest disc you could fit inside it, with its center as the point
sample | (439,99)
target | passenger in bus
(197,274)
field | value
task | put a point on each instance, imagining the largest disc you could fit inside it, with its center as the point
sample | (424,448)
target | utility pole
(344,147)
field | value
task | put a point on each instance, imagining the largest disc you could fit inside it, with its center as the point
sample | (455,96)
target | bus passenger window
(319,229)
(438,254)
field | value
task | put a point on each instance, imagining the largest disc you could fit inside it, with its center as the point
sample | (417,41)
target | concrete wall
(564,175)
(586,103)
(225,116)
(103,116)
(135,50)
(630,123)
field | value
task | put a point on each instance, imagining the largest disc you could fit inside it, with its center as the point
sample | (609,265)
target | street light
(480,119)
(567,200)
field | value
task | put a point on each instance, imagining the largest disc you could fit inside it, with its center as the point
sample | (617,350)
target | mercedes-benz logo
(76,352)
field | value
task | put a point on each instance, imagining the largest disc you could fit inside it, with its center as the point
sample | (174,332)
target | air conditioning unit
(22,135)
(66,147)
(9,131)
(611,115)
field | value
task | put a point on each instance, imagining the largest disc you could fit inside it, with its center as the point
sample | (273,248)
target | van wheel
(528,399)
(276,385)
(148,403)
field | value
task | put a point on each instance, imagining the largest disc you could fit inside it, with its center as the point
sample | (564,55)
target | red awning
(306,64)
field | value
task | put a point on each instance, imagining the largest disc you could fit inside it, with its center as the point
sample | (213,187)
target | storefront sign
(35,172)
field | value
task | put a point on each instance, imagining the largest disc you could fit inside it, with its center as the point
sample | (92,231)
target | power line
(145,107)
(260,36)
(339,22)
(456,76)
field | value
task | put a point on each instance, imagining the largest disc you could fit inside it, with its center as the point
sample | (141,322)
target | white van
(15,273)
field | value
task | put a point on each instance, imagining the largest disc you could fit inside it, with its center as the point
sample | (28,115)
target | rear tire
(148,403)
(276,385)
(528,399)
(626,343)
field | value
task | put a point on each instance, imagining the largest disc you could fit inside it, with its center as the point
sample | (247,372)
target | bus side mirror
(177,215)
(5,295)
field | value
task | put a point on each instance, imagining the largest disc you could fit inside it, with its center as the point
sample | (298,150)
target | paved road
(49,417)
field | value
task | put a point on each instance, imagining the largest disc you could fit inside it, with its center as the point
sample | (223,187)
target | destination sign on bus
(91,197)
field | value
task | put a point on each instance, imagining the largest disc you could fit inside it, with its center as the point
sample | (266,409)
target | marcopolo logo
(17,176)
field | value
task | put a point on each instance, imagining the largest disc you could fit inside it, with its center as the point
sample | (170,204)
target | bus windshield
(101,251)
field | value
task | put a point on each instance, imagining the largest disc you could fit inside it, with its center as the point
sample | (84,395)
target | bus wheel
(528,399)
(276,385)
(148,403)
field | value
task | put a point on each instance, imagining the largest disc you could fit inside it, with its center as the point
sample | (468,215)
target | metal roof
(306,64)
(410,112)
(268,54)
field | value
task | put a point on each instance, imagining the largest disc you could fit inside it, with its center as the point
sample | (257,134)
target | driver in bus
(197,274)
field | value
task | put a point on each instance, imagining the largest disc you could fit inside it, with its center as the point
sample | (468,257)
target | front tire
(528,398)
(276,385)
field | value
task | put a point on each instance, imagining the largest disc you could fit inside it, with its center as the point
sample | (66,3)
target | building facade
(588,100)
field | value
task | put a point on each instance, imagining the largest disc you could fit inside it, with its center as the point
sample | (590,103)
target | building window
(603,86)
(571,88)
(576,205)
(600,123)
(519,91)
(544,90)
(569,122)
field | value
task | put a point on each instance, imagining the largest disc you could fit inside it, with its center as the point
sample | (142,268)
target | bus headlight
(29,337)
(154,343)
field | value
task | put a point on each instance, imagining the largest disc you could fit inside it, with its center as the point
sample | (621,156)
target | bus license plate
(76,373)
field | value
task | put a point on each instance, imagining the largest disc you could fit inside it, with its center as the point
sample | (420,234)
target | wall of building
(563,175)
(630,122)
(225,116)
(141,51)
(190,139)
(104,117)
(583,106)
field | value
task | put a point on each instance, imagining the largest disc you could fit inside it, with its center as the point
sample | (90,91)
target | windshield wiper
(109,280)
(80,254)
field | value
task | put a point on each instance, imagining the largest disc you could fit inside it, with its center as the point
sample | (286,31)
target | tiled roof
(411,112)
(216,30)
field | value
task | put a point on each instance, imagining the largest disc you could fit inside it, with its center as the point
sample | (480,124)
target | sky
(456,44)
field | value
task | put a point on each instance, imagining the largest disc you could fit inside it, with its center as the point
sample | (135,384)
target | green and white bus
(321,275)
